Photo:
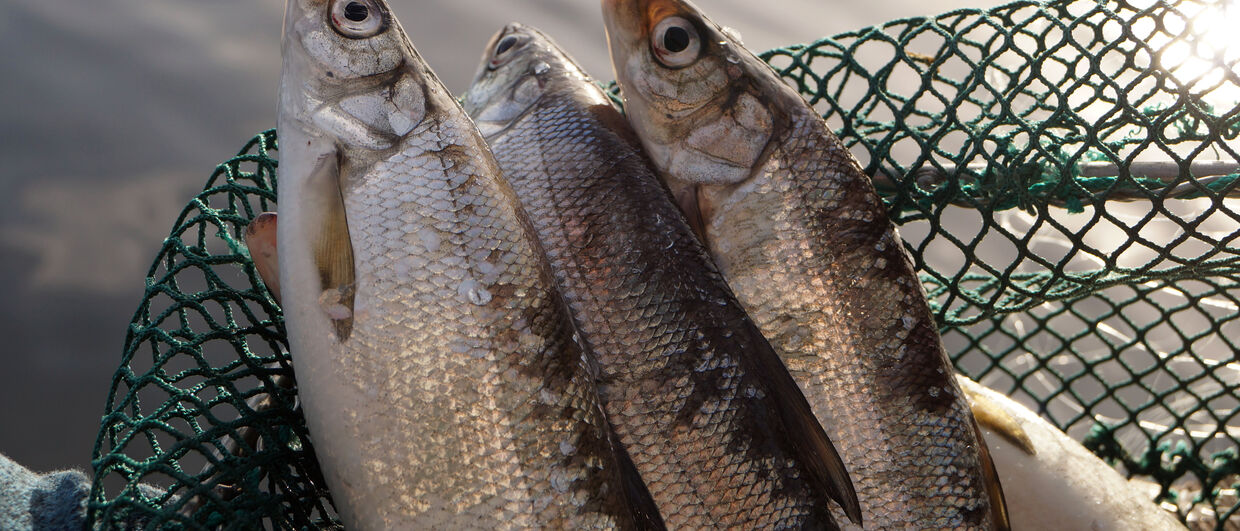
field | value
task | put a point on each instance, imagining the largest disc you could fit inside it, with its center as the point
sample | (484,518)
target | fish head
(352,90)
(705,107)
(349,75)
(519,66)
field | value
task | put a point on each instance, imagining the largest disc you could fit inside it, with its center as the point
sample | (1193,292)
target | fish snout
(624,18)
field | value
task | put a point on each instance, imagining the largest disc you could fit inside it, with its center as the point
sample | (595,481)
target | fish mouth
(635,16)
(615,5)
(296,10)
(624,18)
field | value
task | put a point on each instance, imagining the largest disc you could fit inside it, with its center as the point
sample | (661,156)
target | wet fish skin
(711,417)
(804,240)
(434,358)
(1062,485)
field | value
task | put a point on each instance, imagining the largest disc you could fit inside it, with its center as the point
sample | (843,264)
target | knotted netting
(1064,175)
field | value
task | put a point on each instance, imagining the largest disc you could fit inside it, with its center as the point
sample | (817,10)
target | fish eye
(503,49)
(358,19)
(505,44)
(675,42)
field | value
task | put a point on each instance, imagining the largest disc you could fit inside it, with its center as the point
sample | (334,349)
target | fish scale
(683,372)
(428,330)
(802,237)
(435,360)
(893,405)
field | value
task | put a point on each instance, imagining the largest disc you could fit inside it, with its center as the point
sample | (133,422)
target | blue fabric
(55,501)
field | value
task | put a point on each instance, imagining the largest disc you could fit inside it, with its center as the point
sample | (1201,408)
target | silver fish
(434,358)
(804,240)
(1061,484)
(712,418)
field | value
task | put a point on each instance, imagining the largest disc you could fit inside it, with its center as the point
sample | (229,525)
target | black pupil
(505,45)
(676,39)
(356,12)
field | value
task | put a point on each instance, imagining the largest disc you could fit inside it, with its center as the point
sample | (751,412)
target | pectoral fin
(991,415)
(260,237)
(332,248)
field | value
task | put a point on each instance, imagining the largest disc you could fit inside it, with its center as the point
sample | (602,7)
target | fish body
(1062,484)
(435,360)
(804,240)
(713,420)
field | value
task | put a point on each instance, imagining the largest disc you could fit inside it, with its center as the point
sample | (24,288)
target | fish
(434,358)
(1063,484)
(803,239)
(712,419)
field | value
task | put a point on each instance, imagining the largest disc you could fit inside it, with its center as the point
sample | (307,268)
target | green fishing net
(1063,174)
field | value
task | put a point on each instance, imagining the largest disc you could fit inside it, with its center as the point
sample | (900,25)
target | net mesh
(1063,175)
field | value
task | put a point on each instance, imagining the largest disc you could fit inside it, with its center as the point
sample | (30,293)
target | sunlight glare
(1202,50)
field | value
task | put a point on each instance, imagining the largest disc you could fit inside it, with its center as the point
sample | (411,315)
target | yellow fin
(333,249)
(994,417)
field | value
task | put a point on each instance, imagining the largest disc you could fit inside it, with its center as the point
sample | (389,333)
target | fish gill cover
(1064,175)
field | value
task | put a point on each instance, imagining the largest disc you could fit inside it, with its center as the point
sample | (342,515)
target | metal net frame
(1065,177)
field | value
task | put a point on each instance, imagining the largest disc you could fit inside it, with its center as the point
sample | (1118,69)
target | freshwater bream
(803,239)
(710,415)
(434,358)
